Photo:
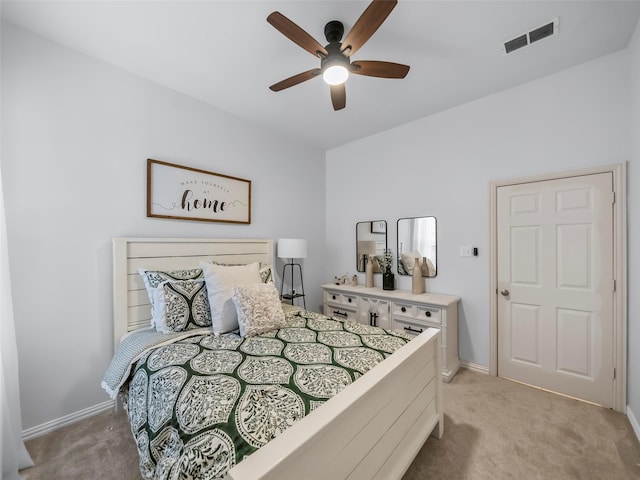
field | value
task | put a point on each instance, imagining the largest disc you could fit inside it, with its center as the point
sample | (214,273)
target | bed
(367,430)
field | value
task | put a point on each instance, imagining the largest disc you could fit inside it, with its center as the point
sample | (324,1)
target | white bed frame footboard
(373,429)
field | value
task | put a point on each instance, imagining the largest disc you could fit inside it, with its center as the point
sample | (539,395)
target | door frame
(619,171)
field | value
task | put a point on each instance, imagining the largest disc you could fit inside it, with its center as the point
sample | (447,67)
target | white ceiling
(226,54)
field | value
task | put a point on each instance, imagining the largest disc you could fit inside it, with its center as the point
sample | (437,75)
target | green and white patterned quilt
(201,404)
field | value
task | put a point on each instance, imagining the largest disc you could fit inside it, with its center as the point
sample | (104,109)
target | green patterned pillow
(181,305)
(153,278)
(266,273)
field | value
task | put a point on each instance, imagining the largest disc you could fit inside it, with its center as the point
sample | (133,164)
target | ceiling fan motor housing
(335,57)
(333,31)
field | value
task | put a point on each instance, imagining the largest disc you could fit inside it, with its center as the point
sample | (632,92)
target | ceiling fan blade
(367,24)
(296,34)
(338,96)
(374,68)
(295,80)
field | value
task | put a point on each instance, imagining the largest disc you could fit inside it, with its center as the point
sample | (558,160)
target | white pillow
(259,308)
(409,260)
(181,305)
(220,281)
(266,270)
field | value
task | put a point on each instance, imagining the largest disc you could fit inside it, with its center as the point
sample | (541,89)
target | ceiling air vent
(528,38)
(516,43)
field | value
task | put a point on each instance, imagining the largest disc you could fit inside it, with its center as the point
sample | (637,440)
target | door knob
(504,292)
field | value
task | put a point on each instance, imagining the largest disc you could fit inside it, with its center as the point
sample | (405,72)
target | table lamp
(291,248)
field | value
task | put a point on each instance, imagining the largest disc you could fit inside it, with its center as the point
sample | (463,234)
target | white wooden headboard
(131,308)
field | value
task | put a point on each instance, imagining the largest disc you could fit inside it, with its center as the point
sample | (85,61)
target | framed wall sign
(379,226)
(185,193)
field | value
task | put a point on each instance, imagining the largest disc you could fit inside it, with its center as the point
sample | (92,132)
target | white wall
(633,385)
(76,134)
(443,164)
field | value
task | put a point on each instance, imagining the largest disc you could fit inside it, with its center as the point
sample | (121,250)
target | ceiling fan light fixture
(335,74)
(335,57)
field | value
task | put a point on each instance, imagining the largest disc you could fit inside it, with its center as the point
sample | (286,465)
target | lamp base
(291,296)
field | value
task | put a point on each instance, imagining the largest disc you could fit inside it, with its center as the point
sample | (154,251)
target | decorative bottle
(369,273)
(417,286)
(426,272)
(425,267)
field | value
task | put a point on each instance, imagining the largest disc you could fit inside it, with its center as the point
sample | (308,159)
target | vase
(368,269)
(426,272)
(388,281)
(425,267)
(417,285)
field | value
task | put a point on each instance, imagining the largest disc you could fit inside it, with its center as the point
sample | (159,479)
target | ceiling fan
(335,58)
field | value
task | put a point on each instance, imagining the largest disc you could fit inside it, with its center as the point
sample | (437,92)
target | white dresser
(399,310)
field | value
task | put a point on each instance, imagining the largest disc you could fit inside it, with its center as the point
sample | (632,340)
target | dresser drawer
(337,298)
(417,313)
(408,326)
(340,313)
(429,314)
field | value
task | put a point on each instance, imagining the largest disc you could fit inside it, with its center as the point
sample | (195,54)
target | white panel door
(555,285)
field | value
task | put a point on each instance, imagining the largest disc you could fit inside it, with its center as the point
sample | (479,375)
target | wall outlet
(466,251)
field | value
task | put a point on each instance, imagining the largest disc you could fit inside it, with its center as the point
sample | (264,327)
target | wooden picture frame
(379,226)
(185,193)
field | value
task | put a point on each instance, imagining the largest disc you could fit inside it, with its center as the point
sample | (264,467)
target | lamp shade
(366,247)
(292,248)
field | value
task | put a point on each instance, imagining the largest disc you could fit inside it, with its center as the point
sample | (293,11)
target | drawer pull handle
(409,329)
(341,314)
(349,300)
(403,309)
(427,313)
(333,297)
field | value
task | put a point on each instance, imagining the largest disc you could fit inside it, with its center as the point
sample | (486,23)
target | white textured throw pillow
(259,308)
(220,281)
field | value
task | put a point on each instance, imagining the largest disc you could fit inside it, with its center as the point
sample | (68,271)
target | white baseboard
(52,425)
(633,421)
(474,367)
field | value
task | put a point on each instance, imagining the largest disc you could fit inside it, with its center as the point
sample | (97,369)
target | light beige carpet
(494,429)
